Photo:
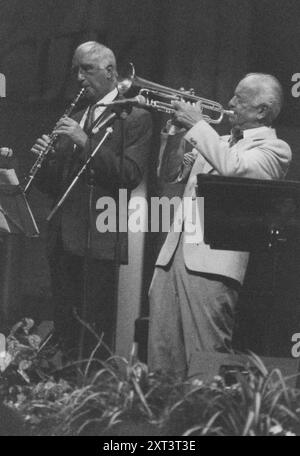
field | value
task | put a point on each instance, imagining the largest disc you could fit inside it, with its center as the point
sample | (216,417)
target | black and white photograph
(149,220)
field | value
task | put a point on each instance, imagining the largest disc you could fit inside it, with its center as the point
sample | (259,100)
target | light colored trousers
(190,312)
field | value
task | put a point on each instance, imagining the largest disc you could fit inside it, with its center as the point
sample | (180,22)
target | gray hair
(104,55)
(269,93)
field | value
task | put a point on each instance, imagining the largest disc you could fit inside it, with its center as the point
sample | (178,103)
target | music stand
(253,215)
(249,214)
(16,220)
(15,214)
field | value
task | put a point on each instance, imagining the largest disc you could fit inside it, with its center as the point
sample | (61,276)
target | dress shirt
(99,110)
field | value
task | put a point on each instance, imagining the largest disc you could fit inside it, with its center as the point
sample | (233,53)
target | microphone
(127,104)
(139,100)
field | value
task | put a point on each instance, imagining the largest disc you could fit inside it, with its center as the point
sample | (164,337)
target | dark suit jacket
(71,220)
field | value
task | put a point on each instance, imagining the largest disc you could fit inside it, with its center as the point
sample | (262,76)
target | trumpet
(160,98)
(53,137)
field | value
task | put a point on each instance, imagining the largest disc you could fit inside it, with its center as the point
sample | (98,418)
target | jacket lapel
(72,166)
(207,168)
(201,165)
(105,114)
(94,129)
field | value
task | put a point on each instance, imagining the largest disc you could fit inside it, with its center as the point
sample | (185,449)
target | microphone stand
(108,133)
(90,183)
(121,112)
(126,109)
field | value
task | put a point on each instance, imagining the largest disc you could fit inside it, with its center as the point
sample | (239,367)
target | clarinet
(53,137)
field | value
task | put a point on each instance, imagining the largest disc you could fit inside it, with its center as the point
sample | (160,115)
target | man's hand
(69,127)
(40,145)
(186,115)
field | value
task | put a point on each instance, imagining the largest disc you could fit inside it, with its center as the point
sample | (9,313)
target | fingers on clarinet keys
(64,121)
(40,145)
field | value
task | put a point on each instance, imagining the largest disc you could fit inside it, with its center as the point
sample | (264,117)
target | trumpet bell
(126,78)
(160,97)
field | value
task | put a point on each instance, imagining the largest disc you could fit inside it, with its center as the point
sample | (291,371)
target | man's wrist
(82,142)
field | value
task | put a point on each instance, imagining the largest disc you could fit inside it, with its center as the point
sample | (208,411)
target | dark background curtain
(204,44)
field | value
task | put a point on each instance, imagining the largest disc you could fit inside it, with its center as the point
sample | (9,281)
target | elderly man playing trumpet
(194,291)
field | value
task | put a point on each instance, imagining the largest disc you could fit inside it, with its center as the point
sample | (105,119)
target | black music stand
(249,214)
(16,220)
(253,215)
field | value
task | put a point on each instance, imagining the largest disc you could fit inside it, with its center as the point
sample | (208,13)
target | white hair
(269,93)
(105,56)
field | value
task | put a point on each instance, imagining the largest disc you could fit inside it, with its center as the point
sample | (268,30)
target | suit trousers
(190,312)
(67,276)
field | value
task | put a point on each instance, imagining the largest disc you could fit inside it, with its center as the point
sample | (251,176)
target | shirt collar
(257,132)
(109,97)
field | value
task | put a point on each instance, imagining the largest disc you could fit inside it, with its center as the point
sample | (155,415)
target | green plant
(93,397)
(26,358)
(260,403)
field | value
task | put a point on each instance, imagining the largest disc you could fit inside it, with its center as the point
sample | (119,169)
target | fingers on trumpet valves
(178,104)
(181,104)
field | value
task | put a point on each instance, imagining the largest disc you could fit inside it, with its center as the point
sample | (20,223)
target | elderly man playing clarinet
(95,67)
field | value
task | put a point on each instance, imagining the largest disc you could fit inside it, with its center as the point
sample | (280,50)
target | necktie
(71,160)
(236,135)
(89,119)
